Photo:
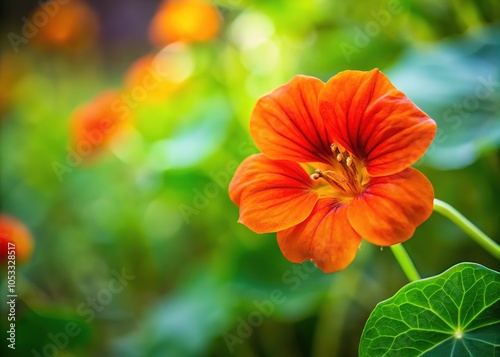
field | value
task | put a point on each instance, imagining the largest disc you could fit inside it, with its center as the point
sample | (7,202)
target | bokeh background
(122,123)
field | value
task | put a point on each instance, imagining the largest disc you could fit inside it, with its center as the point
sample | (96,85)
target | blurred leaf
(197,139)
(185,323)
(456,82)
(456,313)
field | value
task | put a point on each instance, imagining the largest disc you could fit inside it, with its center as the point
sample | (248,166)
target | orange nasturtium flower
(335,167)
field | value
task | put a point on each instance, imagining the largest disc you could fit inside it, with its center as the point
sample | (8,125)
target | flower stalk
(405,262)
(470,229)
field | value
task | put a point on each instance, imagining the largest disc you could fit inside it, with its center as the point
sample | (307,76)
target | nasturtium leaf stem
(470,229)
(405,262)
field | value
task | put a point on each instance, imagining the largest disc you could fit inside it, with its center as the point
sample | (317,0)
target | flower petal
(375,122)
(272,195)
(391,207)
(286,124)
(326,238)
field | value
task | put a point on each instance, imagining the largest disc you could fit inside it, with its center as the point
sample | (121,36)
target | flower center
(347,174)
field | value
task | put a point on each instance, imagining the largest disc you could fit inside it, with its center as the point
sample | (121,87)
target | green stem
(405,262)
(475,233)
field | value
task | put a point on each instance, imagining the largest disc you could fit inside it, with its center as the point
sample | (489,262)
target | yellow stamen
(344,175)
(315,175)
(331,177)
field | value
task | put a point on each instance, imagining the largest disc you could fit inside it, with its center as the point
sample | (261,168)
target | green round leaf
(456,313)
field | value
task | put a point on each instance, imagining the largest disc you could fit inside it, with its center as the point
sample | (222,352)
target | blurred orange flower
(72,26)
(14,237)
(184,20)
(335,167)
(96,123)
(147,81)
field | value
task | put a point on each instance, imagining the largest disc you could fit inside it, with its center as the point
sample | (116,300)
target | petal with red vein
(391,207)
(326,237)
(286,124)
(272,195)
(375,122)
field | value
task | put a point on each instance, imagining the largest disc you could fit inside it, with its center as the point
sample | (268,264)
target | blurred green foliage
(154,204)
